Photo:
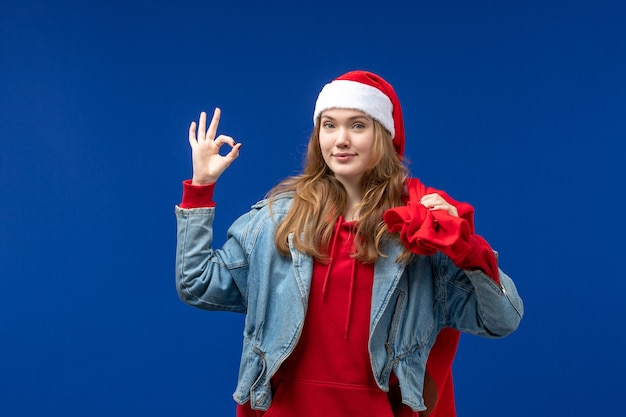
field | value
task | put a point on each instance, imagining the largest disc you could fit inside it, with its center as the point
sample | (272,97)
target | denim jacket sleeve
(207,278)
(475,303)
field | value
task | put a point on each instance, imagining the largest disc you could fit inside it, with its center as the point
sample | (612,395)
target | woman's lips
(343,157)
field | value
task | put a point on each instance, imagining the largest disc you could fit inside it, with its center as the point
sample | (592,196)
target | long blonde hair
(320,199)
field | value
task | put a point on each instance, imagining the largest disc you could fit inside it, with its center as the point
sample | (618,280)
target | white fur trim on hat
(345,94)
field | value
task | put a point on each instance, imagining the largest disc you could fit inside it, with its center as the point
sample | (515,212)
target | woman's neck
(351,211)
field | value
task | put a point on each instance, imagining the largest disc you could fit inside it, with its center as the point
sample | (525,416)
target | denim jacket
(410,303)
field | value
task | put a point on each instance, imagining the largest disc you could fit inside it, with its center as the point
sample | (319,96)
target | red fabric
(197,196)
(439,368)
(425,231)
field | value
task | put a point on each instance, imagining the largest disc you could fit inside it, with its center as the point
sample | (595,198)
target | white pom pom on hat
(369,93)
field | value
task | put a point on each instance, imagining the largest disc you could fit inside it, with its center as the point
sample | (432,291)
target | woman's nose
(343,137)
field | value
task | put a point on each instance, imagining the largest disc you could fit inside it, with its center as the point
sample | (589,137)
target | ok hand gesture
(208,164)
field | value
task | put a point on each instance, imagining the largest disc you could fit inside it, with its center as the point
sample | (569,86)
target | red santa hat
(369,93)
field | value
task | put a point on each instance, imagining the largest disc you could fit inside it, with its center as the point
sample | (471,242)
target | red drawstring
(330,261)
(350,295)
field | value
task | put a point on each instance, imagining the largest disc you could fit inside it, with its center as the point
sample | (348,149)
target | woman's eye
(359,126)
(328,125)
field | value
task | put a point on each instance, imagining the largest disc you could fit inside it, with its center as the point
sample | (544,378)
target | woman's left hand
(436,202)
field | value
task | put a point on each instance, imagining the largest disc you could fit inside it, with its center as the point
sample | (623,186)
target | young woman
(356,280)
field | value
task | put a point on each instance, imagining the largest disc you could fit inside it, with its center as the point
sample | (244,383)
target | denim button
(262,397)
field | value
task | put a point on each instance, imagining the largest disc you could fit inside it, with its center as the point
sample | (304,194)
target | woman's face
(346,141)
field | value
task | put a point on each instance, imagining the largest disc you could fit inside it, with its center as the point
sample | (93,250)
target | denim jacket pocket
(396,318)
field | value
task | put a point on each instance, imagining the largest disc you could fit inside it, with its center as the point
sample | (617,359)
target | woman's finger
(192,134)
(439,207)
(234,152)
(450,209)
(436,202)
(202,126)
(215,121)
(431,199)
(222,139)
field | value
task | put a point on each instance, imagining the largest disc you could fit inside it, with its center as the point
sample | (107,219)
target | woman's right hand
(208,164)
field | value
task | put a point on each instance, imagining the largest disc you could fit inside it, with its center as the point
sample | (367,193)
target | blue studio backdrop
(516,107)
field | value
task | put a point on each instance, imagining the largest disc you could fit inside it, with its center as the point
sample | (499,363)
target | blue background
(516,107)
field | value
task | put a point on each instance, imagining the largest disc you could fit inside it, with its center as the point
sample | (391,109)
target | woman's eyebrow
(361,116)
